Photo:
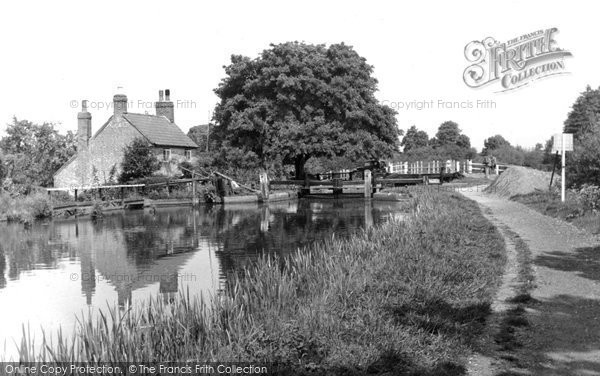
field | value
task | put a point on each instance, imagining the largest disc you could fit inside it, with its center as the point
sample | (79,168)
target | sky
(59,53)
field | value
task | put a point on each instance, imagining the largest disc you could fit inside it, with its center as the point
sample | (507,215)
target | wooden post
(497,169)
(441,175)
(75,194)
(469,166)
(368,186)
(264,185)
(122,196)
(368,215)
(194,198)
(553,169)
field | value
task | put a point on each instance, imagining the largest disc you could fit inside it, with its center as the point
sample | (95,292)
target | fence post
(264,185)
(497,169)
(194,198)
(368,186)
(469,166)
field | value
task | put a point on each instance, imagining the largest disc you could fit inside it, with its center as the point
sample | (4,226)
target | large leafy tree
(34,152)
(138,161)
(414,139)
(297,101)
(584,162)
(583,121)
(585,114)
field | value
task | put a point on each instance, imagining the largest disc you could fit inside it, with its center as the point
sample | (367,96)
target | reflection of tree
(139,243)
(29,249)
(243,239)
(2,269)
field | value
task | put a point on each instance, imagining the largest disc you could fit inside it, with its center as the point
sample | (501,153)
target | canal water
(58,270)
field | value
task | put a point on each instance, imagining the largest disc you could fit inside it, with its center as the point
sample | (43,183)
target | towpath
(563,336)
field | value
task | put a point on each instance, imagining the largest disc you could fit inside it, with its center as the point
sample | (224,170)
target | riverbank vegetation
(24,208)
(409,297)
(581,206)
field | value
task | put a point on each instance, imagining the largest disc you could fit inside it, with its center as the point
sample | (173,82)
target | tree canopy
(585,113)
(138,161)
(414,139)
(494,142)
(583,165)
(200,135)
(34,152)
(297,101)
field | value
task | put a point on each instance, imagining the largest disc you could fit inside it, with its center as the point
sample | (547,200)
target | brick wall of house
(106,150)
(170,168)
(108,146)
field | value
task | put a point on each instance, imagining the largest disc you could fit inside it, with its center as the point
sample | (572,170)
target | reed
(408,297)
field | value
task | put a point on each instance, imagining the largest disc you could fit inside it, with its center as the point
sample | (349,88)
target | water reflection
(53,271)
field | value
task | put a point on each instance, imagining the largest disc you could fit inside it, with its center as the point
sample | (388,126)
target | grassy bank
(575,210)
(24,208)
(406,298)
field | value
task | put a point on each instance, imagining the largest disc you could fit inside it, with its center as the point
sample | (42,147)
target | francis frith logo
(515,63)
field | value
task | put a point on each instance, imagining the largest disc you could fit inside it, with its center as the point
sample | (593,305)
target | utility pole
(207,135)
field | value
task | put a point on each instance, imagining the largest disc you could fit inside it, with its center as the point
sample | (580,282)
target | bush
(40,206)
(138,161)
(583,164)
(25,208)
(588,196)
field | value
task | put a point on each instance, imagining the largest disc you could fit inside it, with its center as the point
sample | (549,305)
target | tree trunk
(299,163)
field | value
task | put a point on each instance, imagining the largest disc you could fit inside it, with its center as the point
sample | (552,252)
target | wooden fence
(450,166)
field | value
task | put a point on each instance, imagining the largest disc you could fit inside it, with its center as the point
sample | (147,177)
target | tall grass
(408,297)
(25,208)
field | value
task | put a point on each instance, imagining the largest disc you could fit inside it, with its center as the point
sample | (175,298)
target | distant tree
(585,114)
(549,157)
(448,134)
(463,141)
(449,143)
(494,142)
(200,135)
(297,101)
(138,161)
(414,139)
(34,152)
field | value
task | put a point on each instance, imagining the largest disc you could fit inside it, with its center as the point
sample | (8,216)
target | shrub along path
(561,311)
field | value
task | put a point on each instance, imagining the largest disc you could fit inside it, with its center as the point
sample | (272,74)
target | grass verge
(548,203)
(406,298)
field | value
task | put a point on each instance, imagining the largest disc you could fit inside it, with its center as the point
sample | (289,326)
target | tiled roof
(160,131)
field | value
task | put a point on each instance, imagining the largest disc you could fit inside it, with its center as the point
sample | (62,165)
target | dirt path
(563,335)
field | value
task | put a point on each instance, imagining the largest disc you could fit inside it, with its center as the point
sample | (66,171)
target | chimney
(120,104)
(84,127)
(165,107)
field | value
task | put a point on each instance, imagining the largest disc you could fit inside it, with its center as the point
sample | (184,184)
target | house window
(167,154)
(188,154)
